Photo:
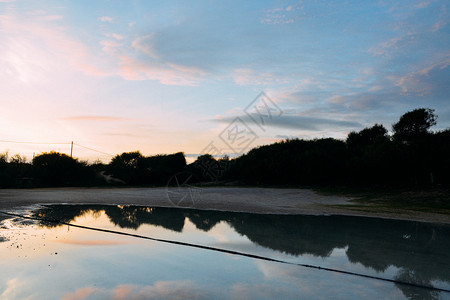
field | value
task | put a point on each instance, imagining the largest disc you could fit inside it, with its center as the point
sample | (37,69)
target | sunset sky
(163,77)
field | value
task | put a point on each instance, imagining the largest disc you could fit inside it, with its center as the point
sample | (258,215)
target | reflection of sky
(72,263)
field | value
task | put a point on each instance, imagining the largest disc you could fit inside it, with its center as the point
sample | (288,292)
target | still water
(44,260)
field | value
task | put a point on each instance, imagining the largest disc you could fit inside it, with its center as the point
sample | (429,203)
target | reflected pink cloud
(92,242)
(159,290)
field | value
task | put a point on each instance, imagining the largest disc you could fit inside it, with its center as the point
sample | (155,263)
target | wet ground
(237,199)
(45,258)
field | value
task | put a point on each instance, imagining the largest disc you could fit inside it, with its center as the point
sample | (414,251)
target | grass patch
(382,199)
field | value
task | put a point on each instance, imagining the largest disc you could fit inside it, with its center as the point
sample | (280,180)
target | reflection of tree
(205,221)
(414,292)
(419,249)
(123,216)
(294,235)
(134,216)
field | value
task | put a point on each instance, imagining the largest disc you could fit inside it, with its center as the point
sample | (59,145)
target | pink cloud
(81,294)
(170,74)
(30,48)
(385,48)
(117,36)
(245,76)
(50,18)
(106,19)
(421,82)
(34,50)
(422,4)
(96,118)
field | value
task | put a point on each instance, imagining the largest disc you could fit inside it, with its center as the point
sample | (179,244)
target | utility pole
(71,149)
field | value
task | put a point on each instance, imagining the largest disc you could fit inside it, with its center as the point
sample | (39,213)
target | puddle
(45,260)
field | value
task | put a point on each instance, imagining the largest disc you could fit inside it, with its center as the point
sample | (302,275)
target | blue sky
(170,76)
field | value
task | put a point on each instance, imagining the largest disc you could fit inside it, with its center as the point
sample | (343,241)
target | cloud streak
(96,118)
(298,122)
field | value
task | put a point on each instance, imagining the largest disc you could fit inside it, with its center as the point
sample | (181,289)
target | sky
(218,77)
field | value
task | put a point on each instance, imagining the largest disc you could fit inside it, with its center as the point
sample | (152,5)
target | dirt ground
(239,199)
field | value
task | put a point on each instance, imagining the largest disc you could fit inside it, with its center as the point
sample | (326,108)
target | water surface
(45,260)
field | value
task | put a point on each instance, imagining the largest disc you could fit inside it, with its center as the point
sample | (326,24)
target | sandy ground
(256,200)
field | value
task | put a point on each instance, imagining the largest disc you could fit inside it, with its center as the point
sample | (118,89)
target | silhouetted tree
(127,159)
(295,161)
(414,124)
(367,136)
(207,168)
(369,157)
(134,168)
(18,159)
(124,166)
(413,156)
(439,160)
(58,169)
(4,157)
(158,169)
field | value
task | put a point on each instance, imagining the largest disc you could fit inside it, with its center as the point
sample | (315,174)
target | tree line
(411,155)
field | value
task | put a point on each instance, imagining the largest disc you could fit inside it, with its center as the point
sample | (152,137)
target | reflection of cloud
(10,291)
(92,242)
(159,290)
(298,282)
(263,291)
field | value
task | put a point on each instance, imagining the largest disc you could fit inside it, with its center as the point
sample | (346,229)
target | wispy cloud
(106,19)
(31,49)
(96,118)
(298,122)
(430,80)
(50,18)
(117,36)
(244,77)
(283,15)
(394,46)
(145,62)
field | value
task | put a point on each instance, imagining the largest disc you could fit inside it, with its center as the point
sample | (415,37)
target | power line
(93,149)
(45,143)
(35,143)
(249,255)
